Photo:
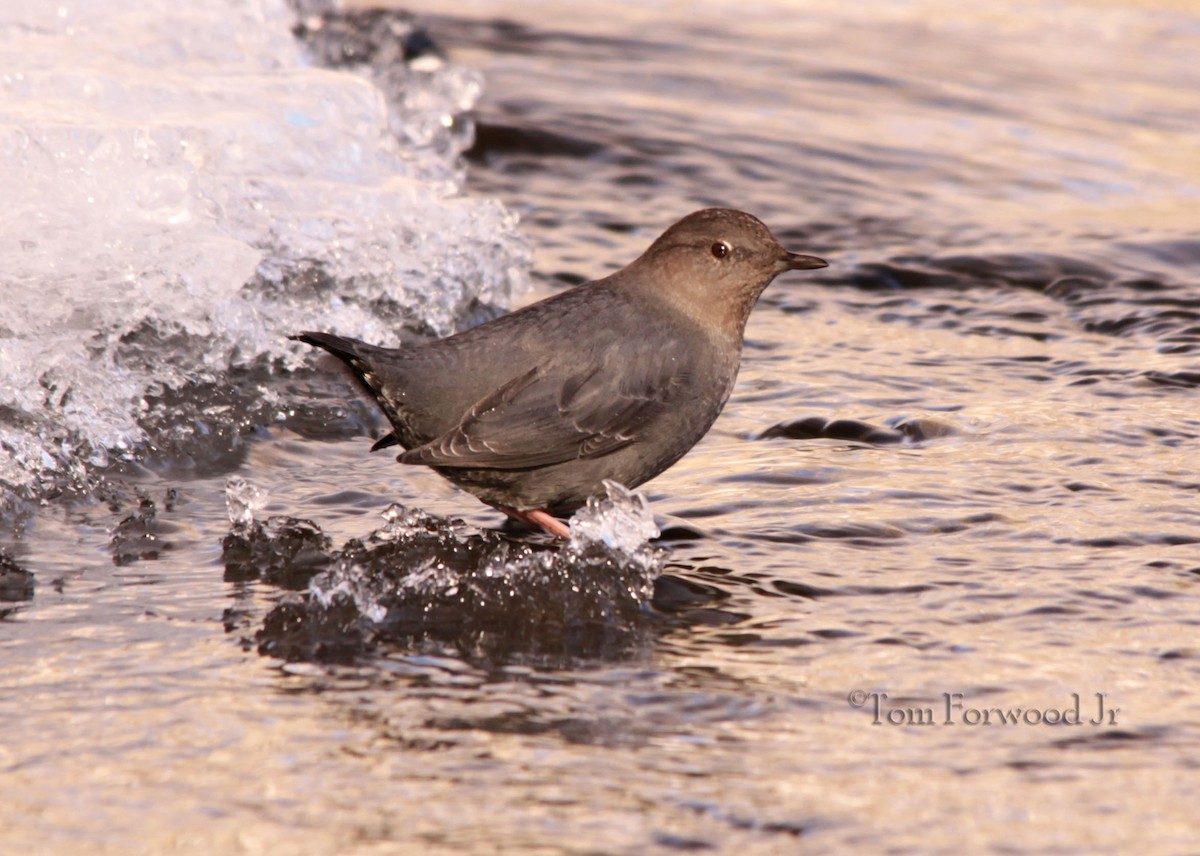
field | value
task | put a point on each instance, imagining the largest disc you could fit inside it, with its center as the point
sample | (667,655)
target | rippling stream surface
(955,495)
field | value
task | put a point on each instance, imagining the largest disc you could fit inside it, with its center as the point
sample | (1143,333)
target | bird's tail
(356,356)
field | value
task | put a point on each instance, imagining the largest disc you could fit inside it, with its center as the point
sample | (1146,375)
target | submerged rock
(423,580)
(915,429)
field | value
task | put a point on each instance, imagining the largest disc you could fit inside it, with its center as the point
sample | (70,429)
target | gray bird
(614,379)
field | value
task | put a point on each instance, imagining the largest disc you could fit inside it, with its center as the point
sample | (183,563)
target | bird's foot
(537,517)
(550,523)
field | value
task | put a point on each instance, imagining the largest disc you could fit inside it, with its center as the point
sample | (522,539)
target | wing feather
(550,415)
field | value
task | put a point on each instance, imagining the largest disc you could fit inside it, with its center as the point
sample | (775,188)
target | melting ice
(182,189)
(243,500)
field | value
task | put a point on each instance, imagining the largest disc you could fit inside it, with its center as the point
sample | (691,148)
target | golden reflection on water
(1040,550)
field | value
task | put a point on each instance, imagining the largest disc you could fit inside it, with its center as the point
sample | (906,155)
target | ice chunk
(168,169)
(242,501)
(621,520)
(401,522)
(347,580)
(608,557)
(419,577)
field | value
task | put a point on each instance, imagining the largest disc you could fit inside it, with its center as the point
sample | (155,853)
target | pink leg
(537,517)
(550,523)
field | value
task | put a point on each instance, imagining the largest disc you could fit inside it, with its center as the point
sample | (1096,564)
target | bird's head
(713,264)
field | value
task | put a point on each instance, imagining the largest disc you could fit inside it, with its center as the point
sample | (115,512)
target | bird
(613,379)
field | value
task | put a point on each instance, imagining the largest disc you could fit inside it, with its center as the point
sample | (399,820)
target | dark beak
(795,261)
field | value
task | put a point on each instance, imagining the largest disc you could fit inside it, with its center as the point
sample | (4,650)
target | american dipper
(613,379)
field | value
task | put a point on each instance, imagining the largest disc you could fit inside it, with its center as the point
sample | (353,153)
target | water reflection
(961,461)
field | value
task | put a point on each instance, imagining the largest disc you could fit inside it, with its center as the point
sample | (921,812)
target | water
(976,491)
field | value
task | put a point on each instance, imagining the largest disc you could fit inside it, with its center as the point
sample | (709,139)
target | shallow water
(1007,200)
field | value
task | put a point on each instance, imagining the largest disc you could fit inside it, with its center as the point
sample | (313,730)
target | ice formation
(170,172)
(621,520)
(420,577)
(243,500)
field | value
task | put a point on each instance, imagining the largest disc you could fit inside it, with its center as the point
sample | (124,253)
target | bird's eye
(720,249)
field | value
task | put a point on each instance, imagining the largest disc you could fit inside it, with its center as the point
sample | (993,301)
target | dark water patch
(709,617)
(1181,254)
(1004,330)
(856,78)
(798,479)
(16,583)
(1079,487)
(1115,738)
(681,843)
(1031,270)
(493,140)
(1098,376)
(887,591)
(1169,539)
(868,534)
(804,590)
(777,641)
(916,641)
(1170,436)
(1182,379)
(916,429)
(673,593)
(1053,609)
(704,512)
(690,603)
(1104,597)
(681,532)
(1180,654)
(506,35)
(1116,306)
(1176,484)
(1099,299)
(807,591)
(931,526)
(815,427)
(790,537)
(714,571)
(1152,593)
(566,279)
(850,232)
(600,708)
(284,551)
(894,276)
(140,534)
(790,828)
(350,499)
(834,633)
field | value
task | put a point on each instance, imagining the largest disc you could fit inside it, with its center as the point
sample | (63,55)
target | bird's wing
(548,415)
